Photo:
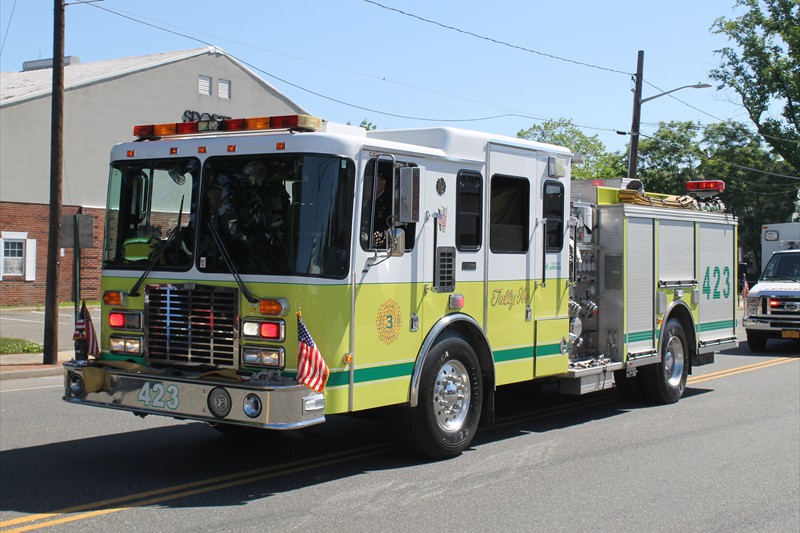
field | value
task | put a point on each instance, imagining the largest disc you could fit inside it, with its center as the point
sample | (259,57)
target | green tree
(764,69)
(756,197)
(670,157)
(598,163)
(682,151)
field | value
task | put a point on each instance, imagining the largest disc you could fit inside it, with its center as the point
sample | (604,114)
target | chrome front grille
(191,324)
(780,306)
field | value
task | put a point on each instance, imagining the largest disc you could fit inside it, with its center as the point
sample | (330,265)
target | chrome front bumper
(210,397)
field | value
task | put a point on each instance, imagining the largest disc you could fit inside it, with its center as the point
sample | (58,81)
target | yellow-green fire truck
(431,266)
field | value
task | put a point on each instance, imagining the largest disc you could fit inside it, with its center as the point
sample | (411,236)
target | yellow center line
(184,490)
(741,370)
(215,482)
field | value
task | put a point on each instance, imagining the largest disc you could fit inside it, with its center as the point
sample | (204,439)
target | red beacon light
(705,187)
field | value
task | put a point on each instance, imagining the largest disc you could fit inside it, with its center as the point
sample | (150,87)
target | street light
(633,156)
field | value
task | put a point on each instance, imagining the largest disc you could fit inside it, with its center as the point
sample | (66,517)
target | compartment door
(717,304)
(639,290)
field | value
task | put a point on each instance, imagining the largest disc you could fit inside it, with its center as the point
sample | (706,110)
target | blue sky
(346,60)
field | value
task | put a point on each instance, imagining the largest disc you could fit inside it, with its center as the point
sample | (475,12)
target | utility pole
(633,156)
(50,355)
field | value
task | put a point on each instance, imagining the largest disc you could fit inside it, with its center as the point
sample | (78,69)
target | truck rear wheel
(665,382)
(756,341)
(450,395)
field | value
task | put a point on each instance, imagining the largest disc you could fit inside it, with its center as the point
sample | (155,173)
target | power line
(661,141)
(397,115)
(495,41)
(8,27)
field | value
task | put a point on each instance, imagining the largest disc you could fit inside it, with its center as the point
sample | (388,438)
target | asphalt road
(724,458)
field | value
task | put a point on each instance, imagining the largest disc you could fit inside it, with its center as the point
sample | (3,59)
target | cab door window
(377,205)
(553,213)
(469,211)
(509,212)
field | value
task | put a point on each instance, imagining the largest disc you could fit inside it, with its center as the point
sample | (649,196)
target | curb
(15,366)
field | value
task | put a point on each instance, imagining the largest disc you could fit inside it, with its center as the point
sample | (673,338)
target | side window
(469,215)
(553,212)
(376,216)
(509,212)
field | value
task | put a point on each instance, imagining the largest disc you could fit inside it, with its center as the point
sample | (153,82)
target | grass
(9,345)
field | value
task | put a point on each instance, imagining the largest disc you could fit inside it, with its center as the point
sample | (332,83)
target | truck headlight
(263,356)
(126,345)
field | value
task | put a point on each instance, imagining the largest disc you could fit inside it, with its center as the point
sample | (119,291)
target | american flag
(311,368)
(84,329)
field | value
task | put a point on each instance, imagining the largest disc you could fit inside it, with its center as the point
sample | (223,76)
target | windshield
(277,215)
(147,201)
(783,267)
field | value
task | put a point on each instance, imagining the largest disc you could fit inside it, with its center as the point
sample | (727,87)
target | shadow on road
(85,472)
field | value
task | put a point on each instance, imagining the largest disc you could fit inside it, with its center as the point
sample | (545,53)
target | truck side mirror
(397,242)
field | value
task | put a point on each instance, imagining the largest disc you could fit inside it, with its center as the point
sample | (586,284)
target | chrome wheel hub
(674,361)
(451,396)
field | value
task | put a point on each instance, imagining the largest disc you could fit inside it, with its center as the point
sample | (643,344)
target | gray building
(103,100)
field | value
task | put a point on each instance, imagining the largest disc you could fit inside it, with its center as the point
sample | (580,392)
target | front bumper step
(211,397)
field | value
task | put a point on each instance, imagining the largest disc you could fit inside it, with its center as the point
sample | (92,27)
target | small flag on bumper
(311,368)
(84,330)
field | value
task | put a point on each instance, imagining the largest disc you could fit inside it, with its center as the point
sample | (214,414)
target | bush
(19,346)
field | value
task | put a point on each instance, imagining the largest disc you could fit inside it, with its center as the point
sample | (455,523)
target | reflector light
(280,146)
(456,301)
(201,149)
(270,330)
(131,153)
(116,320)
(173,151)
(705,186)
(231,148)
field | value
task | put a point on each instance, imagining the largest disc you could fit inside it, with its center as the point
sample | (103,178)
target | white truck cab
(773,304)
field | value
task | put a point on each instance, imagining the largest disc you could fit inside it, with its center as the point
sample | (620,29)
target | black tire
(629,389)
(756,341)
(448,410)
(665,382)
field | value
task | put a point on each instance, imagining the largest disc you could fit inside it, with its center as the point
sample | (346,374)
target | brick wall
(34,219)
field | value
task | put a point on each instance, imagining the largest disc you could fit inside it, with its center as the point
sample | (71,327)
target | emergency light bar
(283,122)
(705,186)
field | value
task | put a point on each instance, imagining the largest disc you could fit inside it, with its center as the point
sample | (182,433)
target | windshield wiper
(212,226)
(164,245)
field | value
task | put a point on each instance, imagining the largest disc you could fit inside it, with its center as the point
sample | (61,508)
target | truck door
(389,291)
(509,323)
(551,270)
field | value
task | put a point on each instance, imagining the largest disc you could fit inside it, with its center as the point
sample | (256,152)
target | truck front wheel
(665,382)
(756,341)
(450,395)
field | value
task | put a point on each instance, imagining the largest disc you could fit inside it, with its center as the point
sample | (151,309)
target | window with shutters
(18,258)
(204,84)
(224,89)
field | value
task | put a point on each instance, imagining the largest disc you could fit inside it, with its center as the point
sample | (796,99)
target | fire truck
(431,266)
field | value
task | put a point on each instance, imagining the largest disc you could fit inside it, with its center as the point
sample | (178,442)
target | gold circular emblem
(389,321)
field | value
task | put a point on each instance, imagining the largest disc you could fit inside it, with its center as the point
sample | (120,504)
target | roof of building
(16,87)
